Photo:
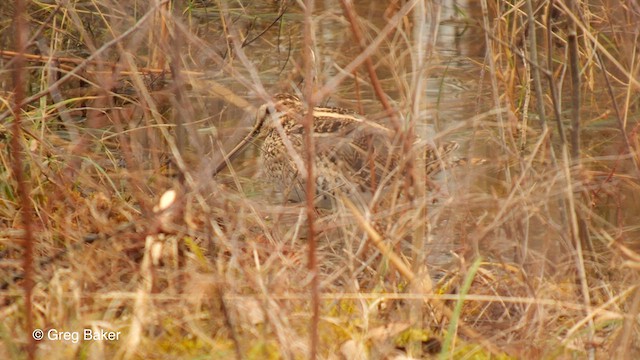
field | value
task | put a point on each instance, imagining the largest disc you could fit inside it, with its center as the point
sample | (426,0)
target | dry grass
(127,109)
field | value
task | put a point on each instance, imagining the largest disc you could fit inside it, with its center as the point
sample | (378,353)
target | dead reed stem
(553,87)
(87,61)
(24,190)
(351,16)
(535,68)
(310,181)
(581,232)
(105,110)
(411,277)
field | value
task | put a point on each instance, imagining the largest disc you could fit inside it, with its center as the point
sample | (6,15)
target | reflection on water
(450,91)
(451,76)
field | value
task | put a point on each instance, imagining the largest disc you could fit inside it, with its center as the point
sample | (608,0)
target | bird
(353,155)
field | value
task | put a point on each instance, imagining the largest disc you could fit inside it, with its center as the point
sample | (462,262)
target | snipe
(353,154)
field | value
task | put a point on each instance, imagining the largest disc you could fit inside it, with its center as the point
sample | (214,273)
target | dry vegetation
(114,116)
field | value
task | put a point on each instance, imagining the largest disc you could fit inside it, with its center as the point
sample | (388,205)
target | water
(457,88)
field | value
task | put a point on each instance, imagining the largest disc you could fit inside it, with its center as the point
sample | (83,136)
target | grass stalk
(24,191)
(310,180)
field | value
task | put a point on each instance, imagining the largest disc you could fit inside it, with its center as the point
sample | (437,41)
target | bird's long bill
(238,149)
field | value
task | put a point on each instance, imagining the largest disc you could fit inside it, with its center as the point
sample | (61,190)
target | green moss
(181,345)
(475,352)
(176,342)
(411,335)
(264,350)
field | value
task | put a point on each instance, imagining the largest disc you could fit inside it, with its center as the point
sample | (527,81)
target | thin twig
(282,11)
(410,276)
(382,35)
(88,60)
(555,96)
(350,13)
(579,225)
(17,154)
(616,109)
(310,180)
(533,50)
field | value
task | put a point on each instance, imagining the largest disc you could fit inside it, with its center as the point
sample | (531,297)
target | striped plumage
(353,154)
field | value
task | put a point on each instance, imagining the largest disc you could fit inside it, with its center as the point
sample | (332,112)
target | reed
(466,179)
